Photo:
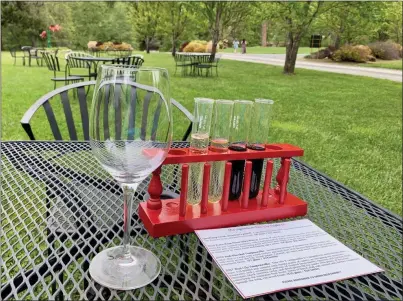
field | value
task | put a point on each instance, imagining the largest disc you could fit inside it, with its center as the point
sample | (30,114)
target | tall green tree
(145,18)
(297,18)
(222,15)
(176,19)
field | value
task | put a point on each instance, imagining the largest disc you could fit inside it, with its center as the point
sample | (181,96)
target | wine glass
(130,134)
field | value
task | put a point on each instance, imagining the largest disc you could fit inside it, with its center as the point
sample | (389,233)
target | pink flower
(43,34)
(54,28)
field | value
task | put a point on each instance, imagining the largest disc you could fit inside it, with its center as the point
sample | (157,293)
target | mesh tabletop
(60,208)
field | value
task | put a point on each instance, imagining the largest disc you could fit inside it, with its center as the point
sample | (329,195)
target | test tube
(238,142)
(219,143)
(258,138)
(199,139)
(203,110)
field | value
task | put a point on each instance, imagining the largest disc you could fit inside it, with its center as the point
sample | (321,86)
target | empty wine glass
(130,134)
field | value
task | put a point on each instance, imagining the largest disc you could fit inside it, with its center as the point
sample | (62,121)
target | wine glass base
(112,269)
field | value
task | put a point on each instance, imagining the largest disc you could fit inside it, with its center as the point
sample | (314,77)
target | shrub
(183,46)
(322,54)
(386,50)
(194,46)
(348,53)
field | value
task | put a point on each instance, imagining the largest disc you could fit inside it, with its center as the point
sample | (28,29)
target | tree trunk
(173,45)
(337,41)
(216,31)
(147,45)
(264,34)
(291,54)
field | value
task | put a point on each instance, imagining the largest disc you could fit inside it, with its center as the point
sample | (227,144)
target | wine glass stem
(128,196)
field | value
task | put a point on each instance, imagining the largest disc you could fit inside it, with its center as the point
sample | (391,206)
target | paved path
(278,60)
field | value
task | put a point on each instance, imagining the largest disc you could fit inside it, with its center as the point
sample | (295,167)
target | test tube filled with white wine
(219,143)
(199,140)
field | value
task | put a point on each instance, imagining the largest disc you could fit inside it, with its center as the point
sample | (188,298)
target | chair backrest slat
(146,105)
(156,118)
(105,116)
(68,114)
(118,112)
(52,121)
(82,99)
(132,113)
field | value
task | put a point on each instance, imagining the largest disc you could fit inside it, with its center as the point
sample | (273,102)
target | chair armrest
(182,109)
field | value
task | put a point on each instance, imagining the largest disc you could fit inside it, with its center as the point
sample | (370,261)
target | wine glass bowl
(130,135)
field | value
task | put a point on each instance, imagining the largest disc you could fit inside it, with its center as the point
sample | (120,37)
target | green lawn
(267,50)
(350,127)
(396,64)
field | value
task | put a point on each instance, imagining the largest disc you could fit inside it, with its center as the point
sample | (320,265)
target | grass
(395,64)
(266,50)
(349,126)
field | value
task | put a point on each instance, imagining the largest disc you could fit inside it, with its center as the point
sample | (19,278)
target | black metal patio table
(96,60)
(59,208)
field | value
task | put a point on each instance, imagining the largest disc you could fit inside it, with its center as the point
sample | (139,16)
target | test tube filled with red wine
(258,138)
(238,142)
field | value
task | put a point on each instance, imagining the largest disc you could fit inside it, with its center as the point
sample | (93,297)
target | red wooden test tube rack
(175,216)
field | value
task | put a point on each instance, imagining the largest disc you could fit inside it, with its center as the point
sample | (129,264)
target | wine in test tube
(219,143)
(238,142)
(199,139)
(258,138)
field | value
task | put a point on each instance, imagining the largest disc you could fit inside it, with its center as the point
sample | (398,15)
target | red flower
(54,28)
(43,34)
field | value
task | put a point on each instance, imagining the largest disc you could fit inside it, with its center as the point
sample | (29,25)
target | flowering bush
(348,53)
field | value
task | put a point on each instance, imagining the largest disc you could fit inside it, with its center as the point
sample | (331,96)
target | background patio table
(96,60)
(40,264)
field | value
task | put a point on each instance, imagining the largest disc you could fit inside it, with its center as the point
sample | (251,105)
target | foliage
(386,50)
(196,46)
(145,18)
(348,53)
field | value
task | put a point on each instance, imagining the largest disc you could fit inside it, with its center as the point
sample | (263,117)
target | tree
(22,22)
(176,19)
(145,18)
(297,18)
(222,15)
(351,22)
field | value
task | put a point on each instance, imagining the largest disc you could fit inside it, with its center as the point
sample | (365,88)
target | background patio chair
(206,62)
(31,53)
(52,62)
(184,62)
(13,52)
(73,65)
(133,60)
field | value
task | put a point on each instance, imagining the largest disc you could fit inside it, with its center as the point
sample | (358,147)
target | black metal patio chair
(184,62)
(207,62)
(133,60)
(13,52)
(65,202)
(73,65)
(32,53)
(52,62)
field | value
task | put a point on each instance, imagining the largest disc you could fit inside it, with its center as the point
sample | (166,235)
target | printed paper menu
(266,258)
